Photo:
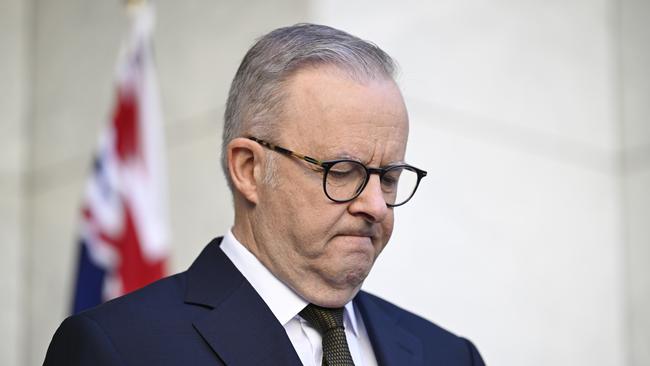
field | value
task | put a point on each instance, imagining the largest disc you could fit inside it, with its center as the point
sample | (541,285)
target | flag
(124,232)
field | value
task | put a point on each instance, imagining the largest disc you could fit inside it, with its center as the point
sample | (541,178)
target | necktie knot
(323,319)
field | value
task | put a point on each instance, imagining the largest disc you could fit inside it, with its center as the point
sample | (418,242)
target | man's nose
(371,202)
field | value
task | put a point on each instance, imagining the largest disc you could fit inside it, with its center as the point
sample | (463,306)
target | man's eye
(341,172)
(389,183)
(390,179)
(344,170)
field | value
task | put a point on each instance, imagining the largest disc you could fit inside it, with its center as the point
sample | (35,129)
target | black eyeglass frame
(328,164)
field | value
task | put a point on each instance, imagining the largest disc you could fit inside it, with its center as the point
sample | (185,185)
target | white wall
(75,47)
(515,239)
(635,113)
(14,101)
(529,236)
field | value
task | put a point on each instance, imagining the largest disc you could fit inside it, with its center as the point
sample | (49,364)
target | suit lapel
(240,327)
(393,345)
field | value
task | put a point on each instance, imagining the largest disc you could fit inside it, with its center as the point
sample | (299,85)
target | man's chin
(334,299)
(355,277)
(350,280)
(337,290)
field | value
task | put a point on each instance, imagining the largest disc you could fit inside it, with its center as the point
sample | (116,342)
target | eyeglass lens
(345,180)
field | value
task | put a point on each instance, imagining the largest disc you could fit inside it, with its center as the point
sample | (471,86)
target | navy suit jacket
(211,315)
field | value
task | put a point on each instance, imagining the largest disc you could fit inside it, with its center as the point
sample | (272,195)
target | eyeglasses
(345,179)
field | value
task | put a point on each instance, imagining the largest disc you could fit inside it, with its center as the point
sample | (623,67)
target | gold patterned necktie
(329,323)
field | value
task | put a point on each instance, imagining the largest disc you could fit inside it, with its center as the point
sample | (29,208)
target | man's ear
(244,166)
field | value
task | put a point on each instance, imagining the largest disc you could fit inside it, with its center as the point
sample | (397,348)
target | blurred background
(530,235)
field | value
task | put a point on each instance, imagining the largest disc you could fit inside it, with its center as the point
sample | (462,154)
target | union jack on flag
(124,231)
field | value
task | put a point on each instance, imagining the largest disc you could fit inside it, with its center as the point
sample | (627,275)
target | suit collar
(240,327)
(212,277)
(391,344)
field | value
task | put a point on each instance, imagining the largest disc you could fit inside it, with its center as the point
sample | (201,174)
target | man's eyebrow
(366,163)
(331,155)
(350,156)
(397,162)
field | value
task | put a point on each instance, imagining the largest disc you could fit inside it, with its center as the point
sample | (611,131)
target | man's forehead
(328,113)
(360,141)
(377,151)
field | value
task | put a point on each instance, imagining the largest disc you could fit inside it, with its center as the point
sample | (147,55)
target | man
(313,150)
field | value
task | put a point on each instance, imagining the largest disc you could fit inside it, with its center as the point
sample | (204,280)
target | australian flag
(124,231)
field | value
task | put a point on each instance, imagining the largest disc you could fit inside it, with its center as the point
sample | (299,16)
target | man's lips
(366,232)
(359,228)
(369,235)
(359,234)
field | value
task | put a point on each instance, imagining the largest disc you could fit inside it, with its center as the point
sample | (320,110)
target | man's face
(322,249)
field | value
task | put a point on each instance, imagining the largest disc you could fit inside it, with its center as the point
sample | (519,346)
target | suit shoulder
(141,327)
(146,305)
(435,338)
(405,317)
(79,340)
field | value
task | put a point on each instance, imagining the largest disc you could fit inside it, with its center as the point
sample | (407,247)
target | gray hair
(256,93)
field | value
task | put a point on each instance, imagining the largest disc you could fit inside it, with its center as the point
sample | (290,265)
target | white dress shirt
(286,304)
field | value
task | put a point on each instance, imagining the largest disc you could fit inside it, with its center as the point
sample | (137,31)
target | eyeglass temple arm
(284,151)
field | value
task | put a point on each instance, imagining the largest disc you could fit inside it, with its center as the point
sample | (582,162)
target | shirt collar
(284,303)
(282,300)
(350,318)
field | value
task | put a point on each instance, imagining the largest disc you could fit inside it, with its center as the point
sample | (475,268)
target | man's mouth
(360,237)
